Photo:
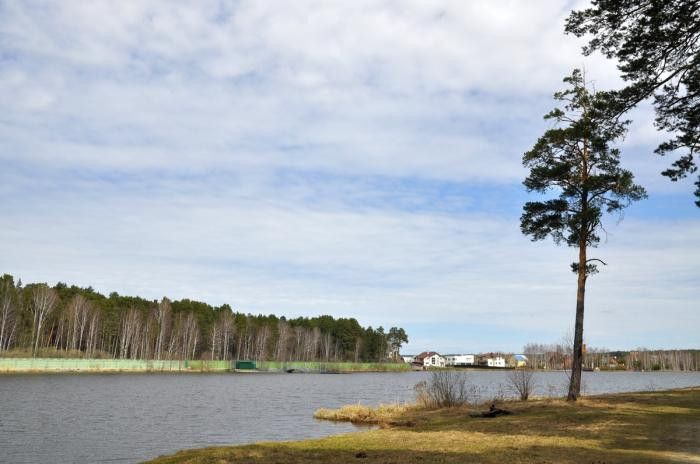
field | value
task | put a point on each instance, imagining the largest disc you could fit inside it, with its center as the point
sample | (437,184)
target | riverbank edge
(595,428)
(10,366)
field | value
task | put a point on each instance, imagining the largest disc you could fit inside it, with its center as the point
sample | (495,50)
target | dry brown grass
(656,427)
(360,414)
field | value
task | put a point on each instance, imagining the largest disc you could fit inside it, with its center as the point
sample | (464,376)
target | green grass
(654,427)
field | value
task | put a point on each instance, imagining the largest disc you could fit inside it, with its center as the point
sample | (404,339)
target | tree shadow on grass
(668,421)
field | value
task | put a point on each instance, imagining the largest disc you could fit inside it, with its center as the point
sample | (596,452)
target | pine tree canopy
(575,160)
(657,46)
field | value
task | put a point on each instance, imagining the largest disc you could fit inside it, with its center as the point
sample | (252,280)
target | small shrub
(522,382)
(475,394)
(445,389)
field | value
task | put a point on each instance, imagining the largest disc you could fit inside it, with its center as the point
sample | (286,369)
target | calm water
(129,418)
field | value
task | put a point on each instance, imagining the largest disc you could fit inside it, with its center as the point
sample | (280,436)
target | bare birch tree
(282,341)
(262,337)
(43,302)
(227,329)
(8,314)
(78,312)
(131,325)
(186,330)
(214,339)
(326,346)
(163,321)
(93,330)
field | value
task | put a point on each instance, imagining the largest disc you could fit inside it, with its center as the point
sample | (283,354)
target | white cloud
(447,88)
(143,145)
(271,253)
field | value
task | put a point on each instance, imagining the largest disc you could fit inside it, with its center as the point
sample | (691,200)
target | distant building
(498,361)
(429,359)
(520,360)
(459,360)
(613,363)
(407,358)
(491,360)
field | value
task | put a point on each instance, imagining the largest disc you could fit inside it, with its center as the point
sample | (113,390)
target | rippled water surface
(129,418)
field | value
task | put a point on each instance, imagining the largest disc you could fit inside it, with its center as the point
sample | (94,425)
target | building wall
(461,360)
(434,361)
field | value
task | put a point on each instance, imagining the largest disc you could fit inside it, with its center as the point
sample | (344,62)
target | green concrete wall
(10,365)
(17,365)
(332,366)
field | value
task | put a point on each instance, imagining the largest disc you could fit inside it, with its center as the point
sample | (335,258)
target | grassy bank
(654,427)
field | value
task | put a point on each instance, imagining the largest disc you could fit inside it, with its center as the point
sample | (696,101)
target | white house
(408,359)
(429,359)
(459,360)
(496,362)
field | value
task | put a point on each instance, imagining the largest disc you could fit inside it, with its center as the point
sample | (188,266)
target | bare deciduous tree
(228,329)
(131,326)
(262,336)
(93,331)
(187,331)
(445,389)
(522,382)
(8,314)
(43,302)
(281,349)
(78,314)
(163,321)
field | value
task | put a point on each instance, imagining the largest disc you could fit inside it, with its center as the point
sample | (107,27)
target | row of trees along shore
(558,356)
(79,322)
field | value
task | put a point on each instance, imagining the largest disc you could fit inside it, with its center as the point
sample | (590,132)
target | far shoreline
(29,366)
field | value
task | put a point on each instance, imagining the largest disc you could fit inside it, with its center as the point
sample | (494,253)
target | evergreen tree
(657,46)
(396,337)
(575,160)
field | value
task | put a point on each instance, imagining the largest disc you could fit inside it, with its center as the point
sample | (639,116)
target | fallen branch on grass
(492,412)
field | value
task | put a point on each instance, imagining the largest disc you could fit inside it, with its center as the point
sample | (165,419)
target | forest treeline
(37,318)
(558,356)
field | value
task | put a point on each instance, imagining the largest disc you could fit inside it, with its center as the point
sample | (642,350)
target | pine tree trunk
(577,358)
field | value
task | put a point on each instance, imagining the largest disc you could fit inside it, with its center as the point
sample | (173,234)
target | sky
(354,158)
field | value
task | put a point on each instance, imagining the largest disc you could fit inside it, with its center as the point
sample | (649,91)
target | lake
(132,417)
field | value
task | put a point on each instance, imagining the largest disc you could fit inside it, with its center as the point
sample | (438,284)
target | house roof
(426,354)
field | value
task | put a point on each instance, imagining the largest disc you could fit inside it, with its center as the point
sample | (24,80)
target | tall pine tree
(575,161)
